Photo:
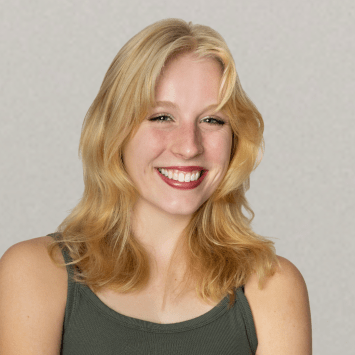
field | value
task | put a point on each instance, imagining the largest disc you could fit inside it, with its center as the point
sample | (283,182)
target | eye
(161,118)
(214,121)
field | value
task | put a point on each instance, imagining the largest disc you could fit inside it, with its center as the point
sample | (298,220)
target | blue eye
(161,118)
(214,121)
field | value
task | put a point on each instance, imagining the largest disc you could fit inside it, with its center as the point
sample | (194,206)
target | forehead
(189,77)
(190,63)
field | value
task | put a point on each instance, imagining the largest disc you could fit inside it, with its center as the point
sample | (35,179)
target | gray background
(295,61)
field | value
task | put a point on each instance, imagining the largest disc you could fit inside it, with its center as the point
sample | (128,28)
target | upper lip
(182,168)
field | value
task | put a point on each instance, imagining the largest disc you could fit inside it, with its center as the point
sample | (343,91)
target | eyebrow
(172,105)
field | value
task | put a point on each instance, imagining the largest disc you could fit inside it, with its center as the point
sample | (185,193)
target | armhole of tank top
(72,285)
(244,307)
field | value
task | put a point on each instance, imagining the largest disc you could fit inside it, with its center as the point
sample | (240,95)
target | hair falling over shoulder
(221,248)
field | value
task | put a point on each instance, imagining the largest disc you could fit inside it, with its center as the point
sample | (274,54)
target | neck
(160,235)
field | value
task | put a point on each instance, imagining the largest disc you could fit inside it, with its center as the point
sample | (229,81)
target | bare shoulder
(33,293)
(31,257)
(281,312)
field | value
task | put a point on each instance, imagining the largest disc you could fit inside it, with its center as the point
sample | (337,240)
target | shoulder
(31,257)
(281,311)
(33,294)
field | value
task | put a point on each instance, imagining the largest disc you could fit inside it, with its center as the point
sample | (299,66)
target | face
(183,136)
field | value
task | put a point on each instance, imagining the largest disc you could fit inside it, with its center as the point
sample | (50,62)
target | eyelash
(156,119)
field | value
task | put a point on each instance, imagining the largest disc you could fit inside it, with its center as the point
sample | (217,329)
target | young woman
(160,258)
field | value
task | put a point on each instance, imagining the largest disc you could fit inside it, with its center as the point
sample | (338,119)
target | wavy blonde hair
(221,249)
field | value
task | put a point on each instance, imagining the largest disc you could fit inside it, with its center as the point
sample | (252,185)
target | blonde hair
(221,249)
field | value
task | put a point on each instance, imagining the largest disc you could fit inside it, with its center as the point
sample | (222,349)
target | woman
(160,257)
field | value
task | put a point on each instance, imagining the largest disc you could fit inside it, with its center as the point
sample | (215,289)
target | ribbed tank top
(92,328)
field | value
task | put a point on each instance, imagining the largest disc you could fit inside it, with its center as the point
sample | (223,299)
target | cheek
(145,146)
(157,140)
(219,148)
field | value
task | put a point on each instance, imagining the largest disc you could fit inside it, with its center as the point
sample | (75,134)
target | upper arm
(281,312)
(32,300)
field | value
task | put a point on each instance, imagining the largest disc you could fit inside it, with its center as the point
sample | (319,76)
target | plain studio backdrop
(295,60)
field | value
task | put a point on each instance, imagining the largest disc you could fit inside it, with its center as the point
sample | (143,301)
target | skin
(281,312)
(33,290)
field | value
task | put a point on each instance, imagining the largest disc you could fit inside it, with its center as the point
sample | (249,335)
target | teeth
(181,176)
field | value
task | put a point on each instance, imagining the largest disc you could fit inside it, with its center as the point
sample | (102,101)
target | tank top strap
(72,285)
(244,307)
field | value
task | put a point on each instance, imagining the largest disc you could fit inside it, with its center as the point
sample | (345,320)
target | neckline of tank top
(219,310)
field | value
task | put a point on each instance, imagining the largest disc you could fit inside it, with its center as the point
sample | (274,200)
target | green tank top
(92,328)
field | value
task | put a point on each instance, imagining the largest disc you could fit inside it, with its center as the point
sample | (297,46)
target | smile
(180,175)
(181,179)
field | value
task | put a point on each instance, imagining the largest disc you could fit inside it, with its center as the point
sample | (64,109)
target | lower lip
(183,185)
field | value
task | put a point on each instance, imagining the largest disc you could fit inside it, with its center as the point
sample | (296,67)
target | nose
(187,141)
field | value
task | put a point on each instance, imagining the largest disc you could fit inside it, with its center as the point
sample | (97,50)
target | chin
(179,209)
